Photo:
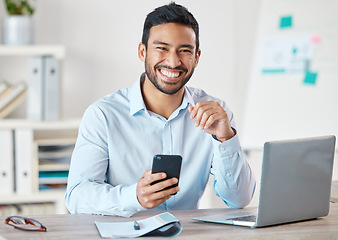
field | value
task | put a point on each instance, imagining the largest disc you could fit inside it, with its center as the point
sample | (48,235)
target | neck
(158,102)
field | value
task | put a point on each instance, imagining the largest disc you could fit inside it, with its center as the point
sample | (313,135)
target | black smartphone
(170,164)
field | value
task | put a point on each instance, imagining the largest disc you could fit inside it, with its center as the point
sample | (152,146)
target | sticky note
(277,70)
(315,39)
(285,22)
(294,51)
(310,78)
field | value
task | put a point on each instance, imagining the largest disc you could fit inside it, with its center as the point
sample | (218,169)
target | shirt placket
(168,149)
(167,138)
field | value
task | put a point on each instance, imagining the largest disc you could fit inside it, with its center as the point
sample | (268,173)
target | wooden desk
(81,226)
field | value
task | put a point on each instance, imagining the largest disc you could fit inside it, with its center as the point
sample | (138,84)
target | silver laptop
(295,184)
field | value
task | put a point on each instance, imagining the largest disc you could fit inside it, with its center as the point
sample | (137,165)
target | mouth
(170,75)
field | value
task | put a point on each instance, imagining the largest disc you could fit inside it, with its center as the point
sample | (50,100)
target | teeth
(170,74)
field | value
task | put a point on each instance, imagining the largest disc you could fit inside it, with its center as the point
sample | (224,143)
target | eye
(186,51)
(161,48)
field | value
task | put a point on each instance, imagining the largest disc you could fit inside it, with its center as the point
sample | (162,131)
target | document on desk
(164,224)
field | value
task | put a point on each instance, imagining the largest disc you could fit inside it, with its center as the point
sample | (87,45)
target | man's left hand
(212,118)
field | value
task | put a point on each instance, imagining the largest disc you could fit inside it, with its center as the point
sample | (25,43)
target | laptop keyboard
(250,218)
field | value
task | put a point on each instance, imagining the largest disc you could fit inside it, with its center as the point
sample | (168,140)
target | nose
(173,59)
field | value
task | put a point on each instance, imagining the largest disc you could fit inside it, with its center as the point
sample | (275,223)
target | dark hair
(171,13)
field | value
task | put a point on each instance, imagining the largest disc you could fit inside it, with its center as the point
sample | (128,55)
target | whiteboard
(293,88)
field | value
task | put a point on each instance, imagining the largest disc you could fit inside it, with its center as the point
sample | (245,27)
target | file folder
(43,89)
(51,89)
(6,162)
(35,88)
(23,161)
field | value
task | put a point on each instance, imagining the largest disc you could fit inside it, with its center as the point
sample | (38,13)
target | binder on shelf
(6,162)
(12,99)
(24,171)
(35,87)
(4,88)
(44,88)
(51,89)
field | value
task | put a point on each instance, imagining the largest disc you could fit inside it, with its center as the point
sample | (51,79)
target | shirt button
(166,123)
(222,149)
(228,174)
(168,152)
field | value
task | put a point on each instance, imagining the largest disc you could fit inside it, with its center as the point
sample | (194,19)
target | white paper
(286,55)
(126,229)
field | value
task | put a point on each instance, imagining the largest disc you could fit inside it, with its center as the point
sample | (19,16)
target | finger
(160,186)
(213,118)
(149,204)
(146,173)
(190,109)
(194,109)
(152,196)
(143,180)
(149,197)
(200,113)
(149,178)
(156,177)
(164,194)
(206,117)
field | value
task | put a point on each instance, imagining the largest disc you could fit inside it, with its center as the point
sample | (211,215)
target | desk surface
(81,226)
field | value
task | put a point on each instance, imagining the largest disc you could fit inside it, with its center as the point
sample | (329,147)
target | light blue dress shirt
(117,140)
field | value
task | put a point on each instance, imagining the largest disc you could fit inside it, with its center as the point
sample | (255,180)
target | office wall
(295,73)
(101,39)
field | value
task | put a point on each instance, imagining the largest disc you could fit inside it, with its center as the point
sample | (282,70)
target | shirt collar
(136,99)
(137,103)
(187,98)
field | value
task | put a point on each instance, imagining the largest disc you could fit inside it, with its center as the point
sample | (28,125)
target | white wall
(101,39)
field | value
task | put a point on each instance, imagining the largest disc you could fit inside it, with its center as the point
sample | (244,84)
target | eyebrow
(160,43)
(167,44)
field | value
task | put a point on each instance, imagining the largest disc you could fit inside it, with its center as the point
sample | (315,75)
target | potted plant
(17,28)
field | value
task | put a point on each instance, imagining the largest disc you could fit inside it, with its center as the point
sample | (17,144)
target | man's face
(170,58)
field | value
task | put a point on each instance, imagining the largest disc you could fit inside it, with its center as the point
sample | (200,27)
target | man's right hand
(150,196)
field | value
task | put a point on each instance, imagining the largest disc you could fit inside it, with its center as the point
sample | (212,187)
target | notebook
(295,184)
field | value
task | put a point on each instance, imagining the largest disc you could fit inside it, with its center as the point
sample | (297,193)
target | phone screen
(170,164)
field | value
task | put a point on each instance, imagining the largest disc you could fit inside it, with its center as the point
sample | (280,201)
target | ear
(142,52)
(198,54)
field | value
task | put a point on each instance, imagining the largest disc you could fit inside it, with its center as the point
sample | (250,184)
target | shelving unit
(55,199)
(63,132)
(42,76)
(24,138)
(53,158)
(57,51)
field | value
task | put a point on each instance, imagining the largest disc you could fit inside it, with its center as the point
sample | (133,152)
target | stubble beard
(156,82)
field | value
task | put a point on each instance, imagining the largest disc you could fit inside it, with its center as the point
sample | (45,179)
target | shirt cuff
(130,202)
(228,147)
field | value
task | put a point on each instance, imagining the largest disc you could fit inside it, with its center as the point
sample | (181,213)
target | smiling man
(120,133)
